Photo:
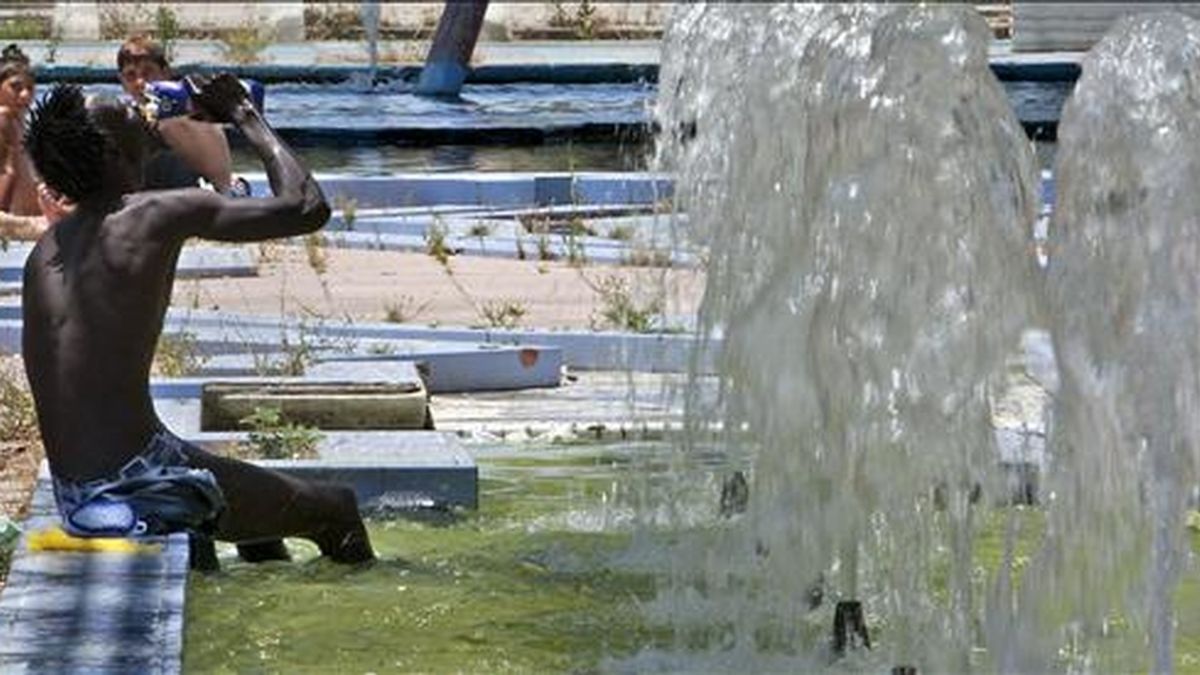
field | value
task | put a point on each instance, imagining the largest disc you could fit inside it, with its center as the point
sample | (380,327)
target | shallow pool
(540,579)
(558,571)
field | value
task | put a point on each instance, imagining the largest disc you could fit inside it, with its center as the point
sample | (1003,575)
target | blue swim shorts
(154,493)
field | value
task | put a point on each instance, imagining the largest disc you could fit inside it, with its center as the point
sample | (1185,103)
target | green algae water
(541,578)
(547,576)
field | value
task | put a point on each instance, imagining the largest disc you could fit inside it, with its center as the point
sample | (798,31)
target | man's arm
(298,205)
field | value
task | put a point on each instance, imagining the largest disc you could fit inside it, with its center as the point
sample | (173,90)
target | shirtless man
(96,289)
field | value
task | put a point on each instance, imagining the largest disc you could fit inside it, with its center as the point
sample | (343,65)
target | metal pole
(446,64)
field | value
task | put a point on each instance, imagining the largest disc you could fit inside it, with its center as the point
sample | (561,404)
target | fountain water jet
(868,198)
(1124,283)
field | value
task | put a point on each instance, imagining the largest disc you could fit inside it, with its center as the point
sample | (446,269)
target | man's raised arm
(298,205)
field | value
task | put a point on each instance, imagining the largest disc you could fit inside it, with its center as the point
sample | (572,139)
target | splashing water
(1124,278)
(868,199)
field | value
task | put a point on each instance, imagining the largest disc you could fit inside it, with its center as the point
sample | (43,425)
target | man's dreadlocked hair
(67,148)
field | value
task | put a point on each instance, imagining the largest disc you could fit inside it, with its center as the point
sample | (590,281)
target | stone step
(388,470)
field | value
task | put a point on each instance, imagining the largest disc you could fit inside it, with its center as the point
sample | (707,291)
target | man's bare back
(95,294)
(96,290)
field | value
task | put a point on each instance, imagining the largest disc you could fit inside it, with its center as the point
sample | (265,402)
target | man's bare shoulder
(164,212)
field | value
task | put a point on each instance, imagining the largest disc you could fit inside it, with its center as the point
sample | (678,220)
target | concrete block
(92,612)
(396,469)
(180,415)
(329,404)
(408,190)
(553,190)
(457,367)
(622,188)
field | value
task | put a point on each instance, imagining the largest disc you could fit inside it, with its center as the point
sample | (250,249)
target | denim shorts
(154,493)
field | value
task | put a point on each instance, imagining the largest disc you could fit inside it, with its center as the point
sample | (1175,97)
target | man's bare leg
(265,505)
(262,551)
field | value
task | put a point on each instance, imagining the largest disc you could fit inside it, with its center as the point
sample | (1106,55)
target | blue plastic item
(172,98)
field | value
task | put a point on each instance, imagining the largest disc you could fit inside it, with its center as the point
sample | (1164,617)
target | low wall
(1076,26)
(285,21)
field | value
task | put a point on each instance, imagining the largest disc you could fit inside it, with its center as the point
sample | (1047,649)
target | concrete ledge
(387,488)
(388,470)
(588,350)
(586,132)
(585,249)
(92,612)
(324,405)
(251,349)
(195,262)
(492,189)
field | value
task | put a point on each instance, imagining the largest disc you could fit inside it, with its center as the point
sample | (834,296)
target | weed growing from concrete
(273,437)
(53,42)
(314,248)
(242,45)
(349,208)
(620,233)
(118,21)
(545,253)
(578,227)
(435,244)
(269,252)
(298,356)
(381,349)
(502,313)
(480,230)
(166,29)
(620,310)
(404,309)
(177,355)
(18,418)
(575,254)
(647,257)
(332,22)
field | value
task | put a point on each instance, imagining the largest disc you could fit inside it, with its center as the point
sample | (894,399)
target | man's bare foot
(344,538)
(347,545)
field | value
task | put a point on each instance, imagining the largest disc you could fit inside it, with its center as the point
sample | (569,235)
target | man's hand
(220,99)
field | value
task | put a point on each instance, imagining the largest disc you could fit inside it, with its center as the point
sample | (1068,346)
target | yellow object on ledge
(54,538)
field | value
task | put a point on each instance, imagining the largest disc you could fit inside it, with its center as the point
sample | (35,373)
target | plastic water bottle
(172,98)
